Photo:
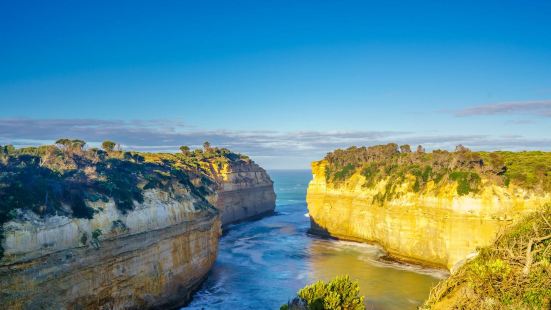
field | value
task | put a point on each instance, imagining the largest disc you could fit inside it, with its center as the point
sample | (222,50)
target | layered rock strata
(438,230)
(151,257)
(246,191)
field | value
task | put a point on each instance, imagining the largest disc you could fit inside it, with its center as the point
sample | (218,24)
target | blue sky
(283,81)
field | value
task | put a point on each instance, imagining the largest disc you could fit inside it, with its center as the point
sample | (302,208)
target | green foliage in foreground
(338,294)
(529,170)
(514,273)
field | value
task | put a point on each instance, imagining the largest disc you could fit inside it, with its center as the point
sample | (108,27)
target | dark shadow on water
(228,227)
(317,230)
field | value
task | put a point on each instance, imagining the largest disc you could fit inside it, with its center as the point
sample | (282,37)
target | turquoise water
(261,264)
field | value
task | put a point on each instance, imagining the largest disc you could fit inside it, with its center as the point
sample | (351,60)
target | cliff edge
(429,208)
(512,273)
(246,191)
(88,228)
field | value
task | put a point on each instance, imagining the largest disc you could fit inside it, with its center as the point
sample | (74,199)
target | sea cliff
(86,228)
(415,206)
(246,191)
(152,256)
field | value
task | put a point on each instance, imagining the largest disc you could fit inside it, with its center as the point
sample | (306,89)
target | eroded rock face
(152,256)
(246,191)
(441,230)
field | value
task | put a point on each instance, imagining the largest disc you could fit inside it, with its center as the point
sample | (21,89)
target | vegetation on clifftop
(62,178)
(338,294)
(514,273)
(529,170)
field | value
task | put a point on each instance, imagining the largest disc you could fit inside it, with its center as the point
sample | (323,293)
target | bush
(338,294)
(108,146)
(467,182)
(513,273)
(344,173)
(529,170)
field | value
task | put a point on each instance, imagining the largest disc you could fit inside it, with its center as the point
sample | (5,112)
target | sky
(282,81)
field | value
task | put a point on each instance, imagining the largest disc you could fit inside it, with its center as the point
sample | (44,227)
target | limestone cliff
(152,256)
(90,229)
(434,225)
(246,191)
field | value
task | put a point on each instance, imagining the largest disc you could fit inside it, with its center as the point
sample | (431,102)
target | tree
(6,150)
(420,149)
(184,149)
(77,144)
(206,146)
(460,148)
(198,154)
(70,145)
(63,142)
(405,148)
(95,238)
(108,146)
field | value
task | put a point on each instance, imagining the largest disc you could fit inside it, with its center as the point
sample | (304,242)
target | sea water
(261,264)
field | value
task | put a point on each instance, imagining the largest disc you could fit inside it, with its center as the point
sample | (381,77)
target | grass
(514,273)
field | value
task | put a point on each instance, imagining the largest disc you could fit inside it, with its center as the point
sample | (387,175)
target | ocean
(261,264)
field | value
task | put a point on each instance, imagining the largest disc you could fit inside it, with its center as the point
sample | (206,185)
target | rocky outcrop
(441,230)
(133,230)
(152,256)
(246,191)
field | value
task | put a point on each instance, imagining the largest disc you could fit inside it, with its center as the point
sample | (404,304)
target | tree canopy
(108,145)
(529,170)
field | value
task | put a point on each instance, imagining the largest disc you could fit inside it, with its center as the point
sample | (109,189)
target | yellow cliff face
(441,229)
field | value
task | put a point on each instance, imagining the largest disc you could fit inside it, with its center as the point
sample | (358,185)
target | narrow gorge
(94,229)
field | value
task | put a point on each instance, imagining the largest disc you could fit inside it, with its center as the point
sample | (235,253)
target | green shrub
(108,146)
(338,294)
(344,173)
(513,273)
(95,238)
(529,170)
(370,172)
(467,182)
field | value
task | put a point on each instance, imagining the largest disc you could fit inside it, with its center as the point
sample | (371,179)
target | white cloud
(279,149)
(539,108)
